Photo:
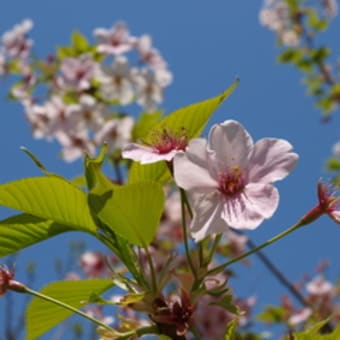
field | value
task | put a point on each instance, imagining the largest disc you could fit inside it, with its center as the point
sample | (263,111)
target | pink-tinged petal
(145,154)
(240,214)
(191,168)
(272,160)
(231,144)
(335,216)
(207,208)
(263,198)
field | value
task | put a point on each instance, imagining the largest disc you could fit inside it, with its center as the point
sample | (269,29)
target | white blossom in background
(336,149)
(50,118)
(116,133)
(76,98)
(74,145)
(275,15)
(114,41)
(330,7)
(15,42)
(21,90)
(117,82)
(148,54)
(320,287)
(149,90)
(89,113)
(78,72)
(3,64)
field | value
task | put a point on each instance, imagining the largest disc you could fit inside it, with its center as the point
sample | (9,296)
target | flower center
(231,182)
(167,141)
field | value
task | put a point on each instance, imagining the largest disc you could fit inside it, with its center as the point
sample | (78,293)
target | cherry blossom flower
(15,42)
(117,82)
(78,72)
(93,264)
(319,286)
(74,145)
(116,133)
(275,15)
(330,7)
(149,54)
(163,148)
(149,87)
(229,178)
(114,41)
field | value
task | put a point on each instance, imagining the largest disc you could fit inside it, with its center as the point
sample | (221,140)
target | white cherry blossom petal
(145,154)
(263,198)
(239,214)
(231,143)
(192,175)
(207,215)
(271,160)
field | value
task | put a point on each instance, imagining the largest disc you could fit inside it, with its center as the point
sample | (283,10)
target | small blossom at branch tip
(7,282)
(229,179)
(328,204)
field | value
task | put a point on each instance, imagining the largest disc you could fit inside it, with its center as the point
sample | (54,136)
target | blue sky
(207,45)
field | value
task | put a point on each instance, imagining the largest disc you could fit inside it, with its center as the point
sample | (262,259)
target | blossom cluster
(284,18)
(77,97)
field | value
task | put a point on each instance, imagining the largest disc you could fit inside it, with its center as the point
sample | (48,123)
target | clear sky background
(207,44)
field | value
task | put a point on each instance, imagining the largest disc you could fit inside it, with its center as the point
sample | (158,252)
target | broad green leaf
(95,179)
(145,122)
(41,315)
(20,231)
(51,198)
(191,119)
(157,172)
(133,211)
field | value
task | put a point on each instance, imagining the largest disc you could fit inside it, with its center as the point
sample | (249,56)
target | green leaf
(273,314)
(132,211)
(231,330)
(42,315)
(51,198)
(145,122)
(315,22)
(79,42)
(290,55)
(20,231)
(191,119)
(333,164)
(157,172)
(314,331)
(319,55)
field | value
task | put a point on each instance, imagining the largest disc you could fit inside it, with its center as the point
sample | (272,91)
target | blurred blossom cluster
(284,17)
(321,302)
(78,96)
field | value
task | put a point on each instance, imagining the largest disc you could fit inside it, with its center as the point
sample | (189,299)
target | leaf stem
(256,249)
(152,269)
(185,234)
